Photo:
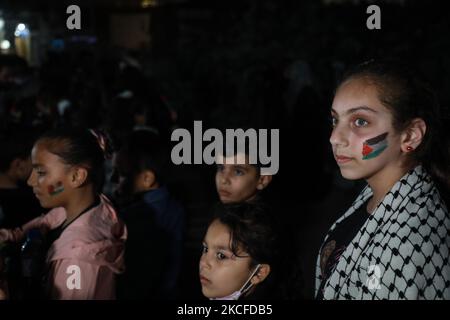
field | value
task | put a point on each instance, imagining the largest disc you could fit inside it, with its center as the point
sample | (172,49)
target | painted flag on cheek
(373,147)
(54,190)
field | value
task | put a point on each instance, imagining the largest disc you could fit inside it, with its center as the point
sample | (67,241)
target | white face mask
(235,295)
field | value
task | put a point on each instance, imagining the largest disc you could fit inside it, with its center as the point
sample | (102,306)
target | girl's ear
(263,182)
(79,176)
(261,274)
(413,135)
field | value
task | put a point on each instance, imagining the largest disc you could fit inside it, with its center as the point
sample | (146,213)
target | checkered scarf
(402,250)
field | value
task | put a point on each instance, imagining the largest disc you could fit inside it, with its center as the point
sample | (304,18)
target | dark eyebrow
(216,247)
(353,110)
(37,165)
(222,248)
(240,167)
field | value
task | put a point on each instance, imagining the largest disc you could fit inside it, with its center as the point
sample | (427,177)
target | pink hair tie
(100,139)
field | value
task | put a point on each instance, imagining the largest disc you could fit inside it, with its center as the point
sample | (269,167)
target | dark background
(236,63)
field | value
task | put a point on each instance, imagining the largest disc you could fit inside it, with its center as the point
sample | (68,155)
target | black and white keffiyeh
(402,250)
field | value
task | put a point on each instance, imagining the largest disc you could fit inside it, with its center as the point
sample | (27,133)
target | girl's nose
(204,261)
(224,177)
(338,137)
(31,179)
(225,180)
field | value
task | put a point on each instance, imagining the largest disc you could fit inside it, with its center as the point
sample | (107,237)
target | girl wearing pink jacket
(84,236)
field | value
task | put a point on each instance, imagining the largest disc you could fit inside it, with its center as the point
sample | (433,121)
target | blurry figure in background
(309,128)
(142,119)
(5,77)
(12,68)
(3,276)
(16,84)
(83,238)
(154,219)
(17,203)
(37,112)
(130,113)
(300,76)
(46,110)
(138,102)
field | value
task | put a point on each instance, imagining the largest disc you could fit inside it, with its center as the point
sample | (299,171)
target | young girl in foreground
(84,237)
(240,250)
(393,242)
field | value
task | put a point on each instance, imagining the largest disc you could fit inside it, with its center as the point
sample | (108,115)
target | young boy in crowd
(237,180)
(17,203)
(155,220)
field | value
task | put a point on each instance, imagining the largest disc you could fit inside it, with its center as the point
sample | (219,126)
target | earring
(409,148)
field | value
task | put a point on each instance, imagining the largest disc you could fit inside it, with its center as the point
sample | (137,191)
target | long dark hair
(401,90)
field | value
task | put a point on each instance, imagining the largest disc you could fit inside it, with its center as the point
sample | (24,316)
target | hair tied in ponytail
(102,142)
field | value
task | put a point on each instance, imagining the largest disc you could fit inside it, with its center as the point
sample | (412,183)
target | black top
(337,242)
(146,252)
(18,206)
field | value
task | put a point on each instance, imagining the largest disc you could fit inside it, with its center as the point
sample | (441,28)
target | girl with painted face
(239,252)
(84,237)
(393,242)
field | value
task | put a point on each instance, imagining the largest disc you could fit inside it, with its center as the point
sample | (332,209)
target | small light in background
(149,3)
(22,42)
(2,23)
(21,30)
(5,45)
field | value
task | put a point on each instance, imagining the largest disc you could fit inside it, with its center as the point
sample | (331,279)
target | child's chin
(207,294)
(46,205)
(351,174)
(43,204)
(226,200)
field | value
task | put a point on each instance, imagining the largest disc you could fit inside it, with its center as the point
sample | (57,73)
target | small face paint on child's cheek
(56,189)
(374,147)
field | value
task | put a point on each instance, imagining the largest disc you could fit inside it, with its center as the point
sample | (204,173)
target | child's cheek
(55,189)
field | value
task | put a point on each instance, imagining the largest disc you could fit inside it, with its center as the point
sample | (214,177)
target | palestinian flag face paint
(56,189)
(373,147)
